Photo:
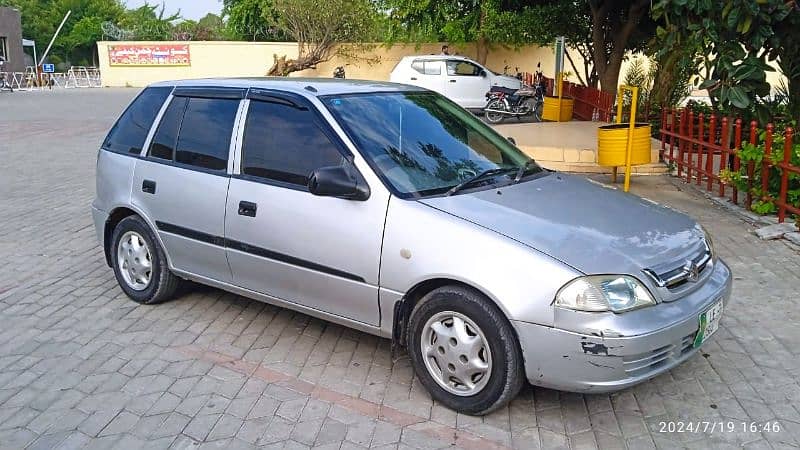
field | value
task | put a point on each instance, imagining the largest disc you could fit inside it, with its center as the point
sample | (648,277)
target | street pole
(66,16)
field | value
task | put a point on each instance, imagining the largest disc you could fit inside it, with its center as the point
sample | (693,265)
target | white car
(460,79)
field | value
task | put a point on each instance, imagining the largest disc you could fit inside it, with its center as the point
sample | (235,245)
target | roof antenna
(311,88)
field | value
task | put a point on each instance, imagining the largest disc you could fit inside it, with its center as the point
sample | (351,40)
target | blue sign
(49,68)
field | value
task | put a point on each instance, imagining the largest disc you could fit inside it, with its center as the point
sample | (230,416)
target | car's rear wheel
(464,351)
(140,264)
(495,117)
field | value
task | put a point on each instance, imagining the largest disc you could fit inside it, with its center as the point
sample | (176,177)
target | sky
(190,9)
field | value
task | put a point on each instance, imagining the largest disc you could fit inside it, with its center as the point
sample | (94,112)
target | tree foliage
(251,20)
(734,39)
(485,22)
(318,30)
(40,19)
(601,31)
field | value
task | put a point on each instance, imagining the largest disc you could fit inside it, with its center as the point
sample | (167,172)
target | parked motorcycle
(503,102)
(339,72)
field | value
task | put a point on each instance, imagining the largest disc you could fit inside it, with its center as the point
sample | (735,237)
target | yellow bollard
(632,127)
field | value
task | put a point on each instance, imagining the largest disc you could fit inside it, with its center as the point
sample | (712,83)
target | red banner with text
(149,55)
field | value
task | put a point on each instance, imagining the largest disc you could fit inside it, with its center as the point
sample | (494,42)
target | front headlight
(615,293)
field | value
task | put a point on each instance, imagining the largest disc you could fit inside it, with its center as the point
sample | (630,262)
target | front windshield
(423,144)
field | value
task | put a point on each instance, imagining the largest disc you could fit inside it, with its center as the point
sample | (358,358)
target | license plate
(709,323)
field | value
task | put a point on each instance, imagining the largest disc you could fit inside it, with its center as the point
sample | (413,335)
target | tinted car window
(130,131)
(285,143)
(163,144)
(205,133)
(427,67)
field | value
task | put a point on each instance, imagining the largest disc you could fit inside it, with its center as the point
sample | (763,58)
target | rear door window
(163,144)
(130,131)
(427,67)
(205,134)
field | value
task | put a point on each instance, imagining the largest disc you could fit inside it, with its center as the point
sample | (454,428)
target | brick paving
(81,366)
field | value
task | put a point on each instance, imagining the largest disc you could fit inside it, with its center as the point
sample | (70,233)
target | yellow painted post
(560,88)
(634,101)
(619,103)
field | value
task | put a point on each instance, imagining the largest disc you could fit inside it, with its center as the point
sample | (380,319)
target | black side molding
(254,250)
(191,234)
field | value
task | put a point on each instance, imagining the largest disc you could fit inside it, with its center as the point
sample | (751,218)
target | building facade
(11,40)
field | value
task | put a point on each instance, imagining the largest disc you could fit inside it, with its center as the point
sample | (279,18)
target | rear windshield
(130,131)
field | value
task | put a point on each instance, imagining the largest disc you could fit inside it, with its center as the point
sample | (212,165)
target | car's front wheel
(464,351)
(140,264)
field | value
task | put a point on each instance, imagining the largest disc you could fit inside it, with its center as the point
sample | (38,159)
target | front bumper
(605,361)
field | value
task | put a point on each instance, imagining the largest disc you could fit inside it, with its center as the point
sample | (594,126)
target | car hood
(506,82)
(592,227)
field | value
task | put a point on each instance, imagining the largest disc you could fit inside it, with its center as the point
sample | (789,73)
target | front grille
(644,363)
(679,273)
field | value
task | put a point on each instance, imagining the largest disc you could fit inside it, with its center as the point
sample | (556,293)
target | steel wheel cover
(456,353)
(135,261)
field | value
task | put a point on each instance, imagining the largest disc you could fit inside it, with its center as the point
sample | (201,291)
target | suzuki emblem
(692,271)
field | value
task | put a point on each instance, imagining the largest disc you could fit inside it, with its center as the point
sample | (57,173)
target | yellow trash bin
(612,141)
(550,109)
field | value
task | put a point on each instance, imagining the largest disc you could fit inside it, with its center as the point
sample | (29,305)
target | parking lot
(83,366)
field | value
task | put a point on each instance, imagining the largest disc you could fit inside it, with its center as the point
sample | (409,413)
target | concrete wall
(229,59)
(11,30)
(241,59)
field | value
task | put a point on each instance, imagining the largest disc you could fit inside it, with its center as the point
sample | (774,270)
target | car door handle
(247,209)
(414,78)
(452,81)
(149,187)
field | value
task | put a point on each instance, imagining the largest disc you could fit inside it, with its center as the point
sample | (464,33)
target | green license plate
(709,323)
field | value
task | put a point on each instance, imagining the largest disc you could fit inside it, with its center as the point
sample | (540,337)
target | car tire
(140,264)
(435,356)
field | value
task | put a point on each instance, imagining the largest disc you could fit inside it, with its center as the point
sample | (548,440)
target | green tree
(601,31)
(734,40)
(149,22)
(786,50)
(251,20)
(484,22)
(319,30)
(76,43)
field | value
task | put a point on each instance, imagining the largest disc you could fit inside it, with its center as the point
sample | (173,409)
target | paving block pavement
(81,366)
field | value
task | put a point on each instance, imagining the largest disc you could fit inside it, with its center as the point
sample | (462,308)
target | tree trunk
(482,50)
(282,67)
(482,45)
(609,74)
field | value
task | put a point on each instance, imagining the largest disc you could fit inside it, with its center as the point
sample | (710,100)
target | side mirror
(483,73)
(339,182)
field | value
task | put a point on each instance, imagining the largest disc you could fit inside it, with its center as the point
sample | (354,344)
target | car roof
(297,85)
(439,57)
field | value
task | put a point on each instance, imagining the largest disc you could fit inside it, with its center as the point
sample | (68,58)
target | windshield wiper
(521,172)
(486,173)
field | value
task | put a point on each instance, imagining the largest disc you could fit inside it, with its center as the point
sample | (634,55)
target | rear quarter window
(129,133)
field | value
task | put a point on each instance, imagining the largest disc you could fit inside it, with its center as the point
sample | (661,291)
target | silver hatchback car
(389,209)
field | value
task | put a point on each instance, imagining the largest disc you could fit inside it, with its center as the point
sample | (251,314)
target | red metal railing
(588,101)
(701,149)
